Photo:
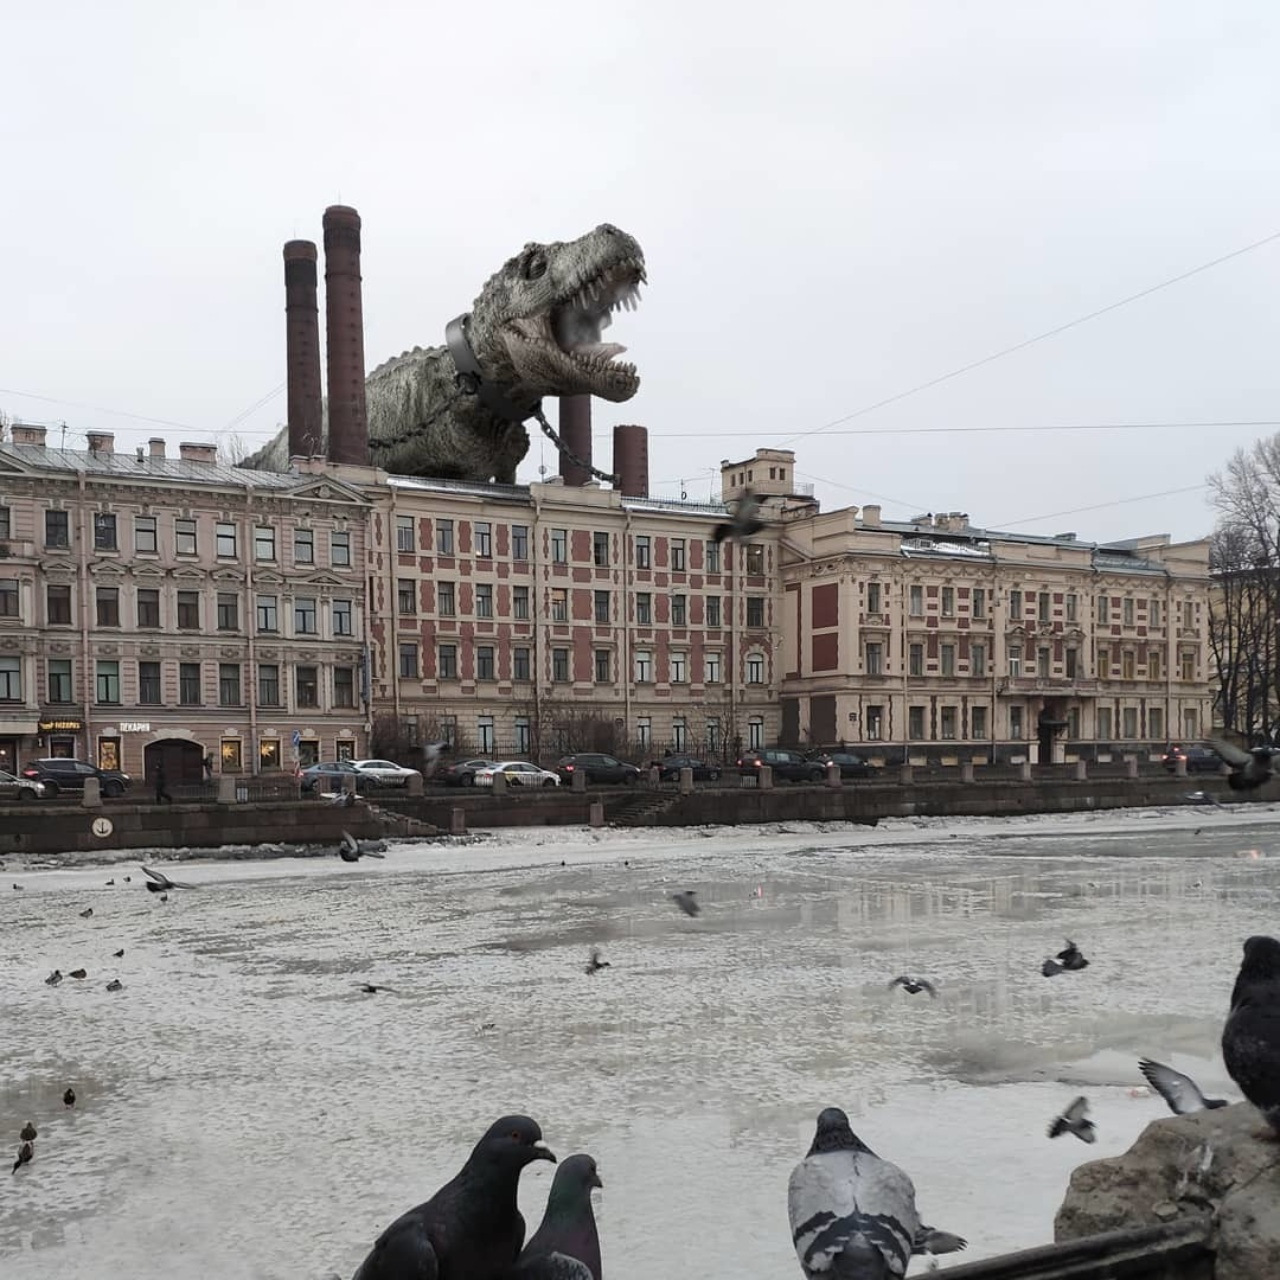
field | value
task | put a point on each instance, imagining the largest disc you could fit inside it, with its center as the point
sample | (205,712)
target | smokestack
(102,441)
(575,436)
(344,317)
(302,349)
(155,447)
(631,460)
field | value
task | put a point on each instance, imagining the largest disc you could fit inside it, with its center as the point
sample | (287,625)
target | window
(520,545)
(947,721)
(304,546)
(644,609)
(559,665)
(408,660)
(1190,723)
(6,523)
(9,600)
(11,680)
(58,671)
(1104,663)
(108,606)
(305,621)
(1129,722)
(268,684)
(755,669)
(559,605)
(1015,664)
(680,611)
(520,664)
(104,532)
(713,612)
(1104,724)
(978,720)
(189,684)
(915,660)
(915,599)
(231,754)
(600,550)
(644,552)
(57,529)
(446,599)
(979,609)
(484,600)
(225,541)
(559,546)
(1154,667)
(524,738)
(644,733)
(679,734)
(678,555)
(404,534)
(1072,664)
(604,666)
(444,537)
(268,613)
(108,685)
(58,604)
(711,666)
(228,684)
(1044,658)
(755,733)
(948,659)
(306,686)
(1015,606)
(264,543)
(269,754)
(484,735)
(343,618)
(712,728)
(875,659)
(644,666)
(713,557)
(915,722)
(1104,610)
(1153,619)
(340,549)
(1126,606)
(679,668)
(978,660)
(484,662)
(1188,666)
(148,607)
(483,532)
(1127,665)
(1188,615)
(755,611)
(873,597)
(1015,724)
(602,607)
(948,602)
(1044,607)
(447,662)
(184,537)
(520,602)
(228,611)
(875,723)
(755,558)
(1073,607)
(145,536)
(1155,723)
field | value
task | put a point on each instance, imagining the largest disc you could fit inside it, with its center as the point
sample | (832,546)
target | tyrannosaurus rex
(458,411)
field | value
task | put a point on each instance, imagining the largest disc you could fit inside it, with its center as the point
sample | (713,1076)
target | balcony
(1063,686)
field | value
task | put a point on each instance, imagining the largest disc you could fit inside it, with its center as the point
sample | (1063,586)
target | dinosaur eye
(535,266)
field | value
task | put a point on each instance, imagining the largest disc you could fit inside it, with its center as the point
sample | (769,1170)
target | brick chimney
(631,460)
(302,349)
(344,323)
(23,433)
(206,453)
(575,436)
(155,447)
(102,442)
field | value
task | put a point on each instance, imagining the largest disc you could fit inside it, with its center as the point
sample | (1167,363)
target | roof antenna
(63,445)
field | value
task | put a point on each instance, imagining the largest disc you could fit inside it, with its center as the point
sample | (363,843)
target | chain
(573,458)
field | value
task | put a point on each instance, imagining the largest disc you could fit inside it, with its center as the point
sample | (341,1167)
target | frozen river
(246,1111)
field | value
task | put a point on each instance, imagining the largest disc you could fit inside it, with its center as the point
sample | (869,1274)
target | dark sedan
(1199,759)
(597,766)
(670,767)
(462,773)
(851,764)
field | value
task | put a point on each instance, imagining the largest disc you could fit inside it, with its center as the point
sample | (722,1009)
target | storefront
(61,737)
(17,743)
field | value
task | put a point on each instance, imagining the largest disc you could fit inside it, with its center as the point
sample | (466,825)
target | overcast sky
(838,202)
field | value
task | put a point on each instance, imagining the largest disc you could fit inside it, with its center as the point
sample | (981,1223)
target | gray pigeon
(913,986)
(745,521)
(566,1246)
(471,1228)
(1180,1092)
(351,850)
(158,882)
(853,1215)
(1073,1120)
(54,978)
(1251,1037)
(1249,769)
(687,902)
(1203,797)
(25,1153)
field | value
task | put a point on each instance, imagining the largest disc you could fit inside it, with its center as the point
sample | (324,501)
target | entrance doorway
(9,755)
(183,761)
(1053,750)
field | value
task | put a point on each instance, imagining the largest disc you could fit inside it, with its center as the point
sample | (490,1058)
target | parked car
(851,764)
(462,773)
(60,774)
(331,775)
(518,773)
(387,773)
(13,788)
(597,767)
(1199,759)
(787,766)
(669,769)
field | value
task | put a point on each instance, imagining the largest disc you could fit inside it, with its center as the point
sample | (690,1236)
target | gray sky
(838,202)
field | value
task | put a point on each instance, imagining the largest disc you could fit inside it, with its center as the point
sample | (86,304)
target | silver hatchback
(12,788)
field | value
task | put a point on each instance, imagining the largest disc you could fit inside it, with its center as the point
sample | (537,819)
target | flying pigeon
(29,1132)
(1050,968)
(1251,1037)
(86,913)
(745,521)
(79,973)
(370,989)
(350,850)
(115,985)
(853,1215)
(685,900)
(566,1245)
(913,986)
(343,799)
(1249,769)
(1071,957)
(25,1152)
(595,964)
(158,882)
(1180,1092)
(1073,1120)
(69,1098)
(54,978)
(431,754)
(471,1227)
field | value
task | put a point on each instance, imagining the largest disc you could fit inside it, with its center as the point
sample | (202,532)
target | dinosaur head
(538,322)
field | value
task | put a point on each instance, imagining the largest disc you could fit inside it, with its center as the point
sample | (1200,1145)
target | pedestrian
(208,766)
(162,786)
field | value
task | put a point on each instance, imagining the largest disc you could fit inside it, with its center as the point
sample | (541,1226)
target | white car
(518,773)
(385,772)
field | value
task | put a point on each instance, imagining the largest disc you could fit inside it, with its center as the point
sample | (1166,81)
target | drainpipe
(732,548)
(906,693)
(1172,733)
(391,647)
(995,664)
(86,652)
(535,609)
(250,627)
(626,622)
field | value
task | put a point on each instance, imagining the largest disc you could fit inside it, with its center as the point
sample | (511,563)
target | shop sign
(135,726)
(61,726)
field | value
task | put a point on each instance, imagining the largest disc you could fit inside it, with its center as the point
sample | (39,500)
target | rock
(1207,1165)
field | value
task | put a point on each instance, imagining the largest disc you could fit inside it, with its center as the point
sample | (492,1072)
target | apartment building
(169,609)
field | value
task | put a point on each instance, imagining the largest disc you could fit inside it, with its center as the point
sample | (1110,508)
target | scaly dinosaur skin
(535,331)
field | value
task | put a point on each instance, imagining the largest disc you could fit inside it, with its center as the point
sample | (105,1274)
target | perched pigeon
(1249,769)
(29,1132)
(1073,1120)
(1180,1092)
(115,985)
(566,1245)
(86,913)
(913,986)
(1251,1037)
(471,1228)
(595,964)
(351,850)
(119,953)
(158,882)
(54,978)
(69,1098)
(1071,957)
(745,521)
(79,973)
(111,882)
(853,1215)
(686,901)
(1050,968)
(25,1152)
(370,989)
(18,887)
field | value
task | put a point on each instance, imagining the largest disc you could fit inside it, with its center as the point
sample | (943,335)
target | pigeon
(471,1227)
(79,973)
(1249,769)
(745,521)
(54,978)
(119,953)
(685,900)
(1071,958)
(1203,797)
(595,964)
(69,1098)
(164,897)
(1050,968)
(128,879)
(111,882)
(1180,1092)
(1073,1120)
(158,882)
(350,850)
(853,1215)
(370,989)
(86,913)
(29,1132)
(431,754)
(18,887)
(115,985)
(913,986)
(1251,1036)
(25,1152)
(566,1245)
